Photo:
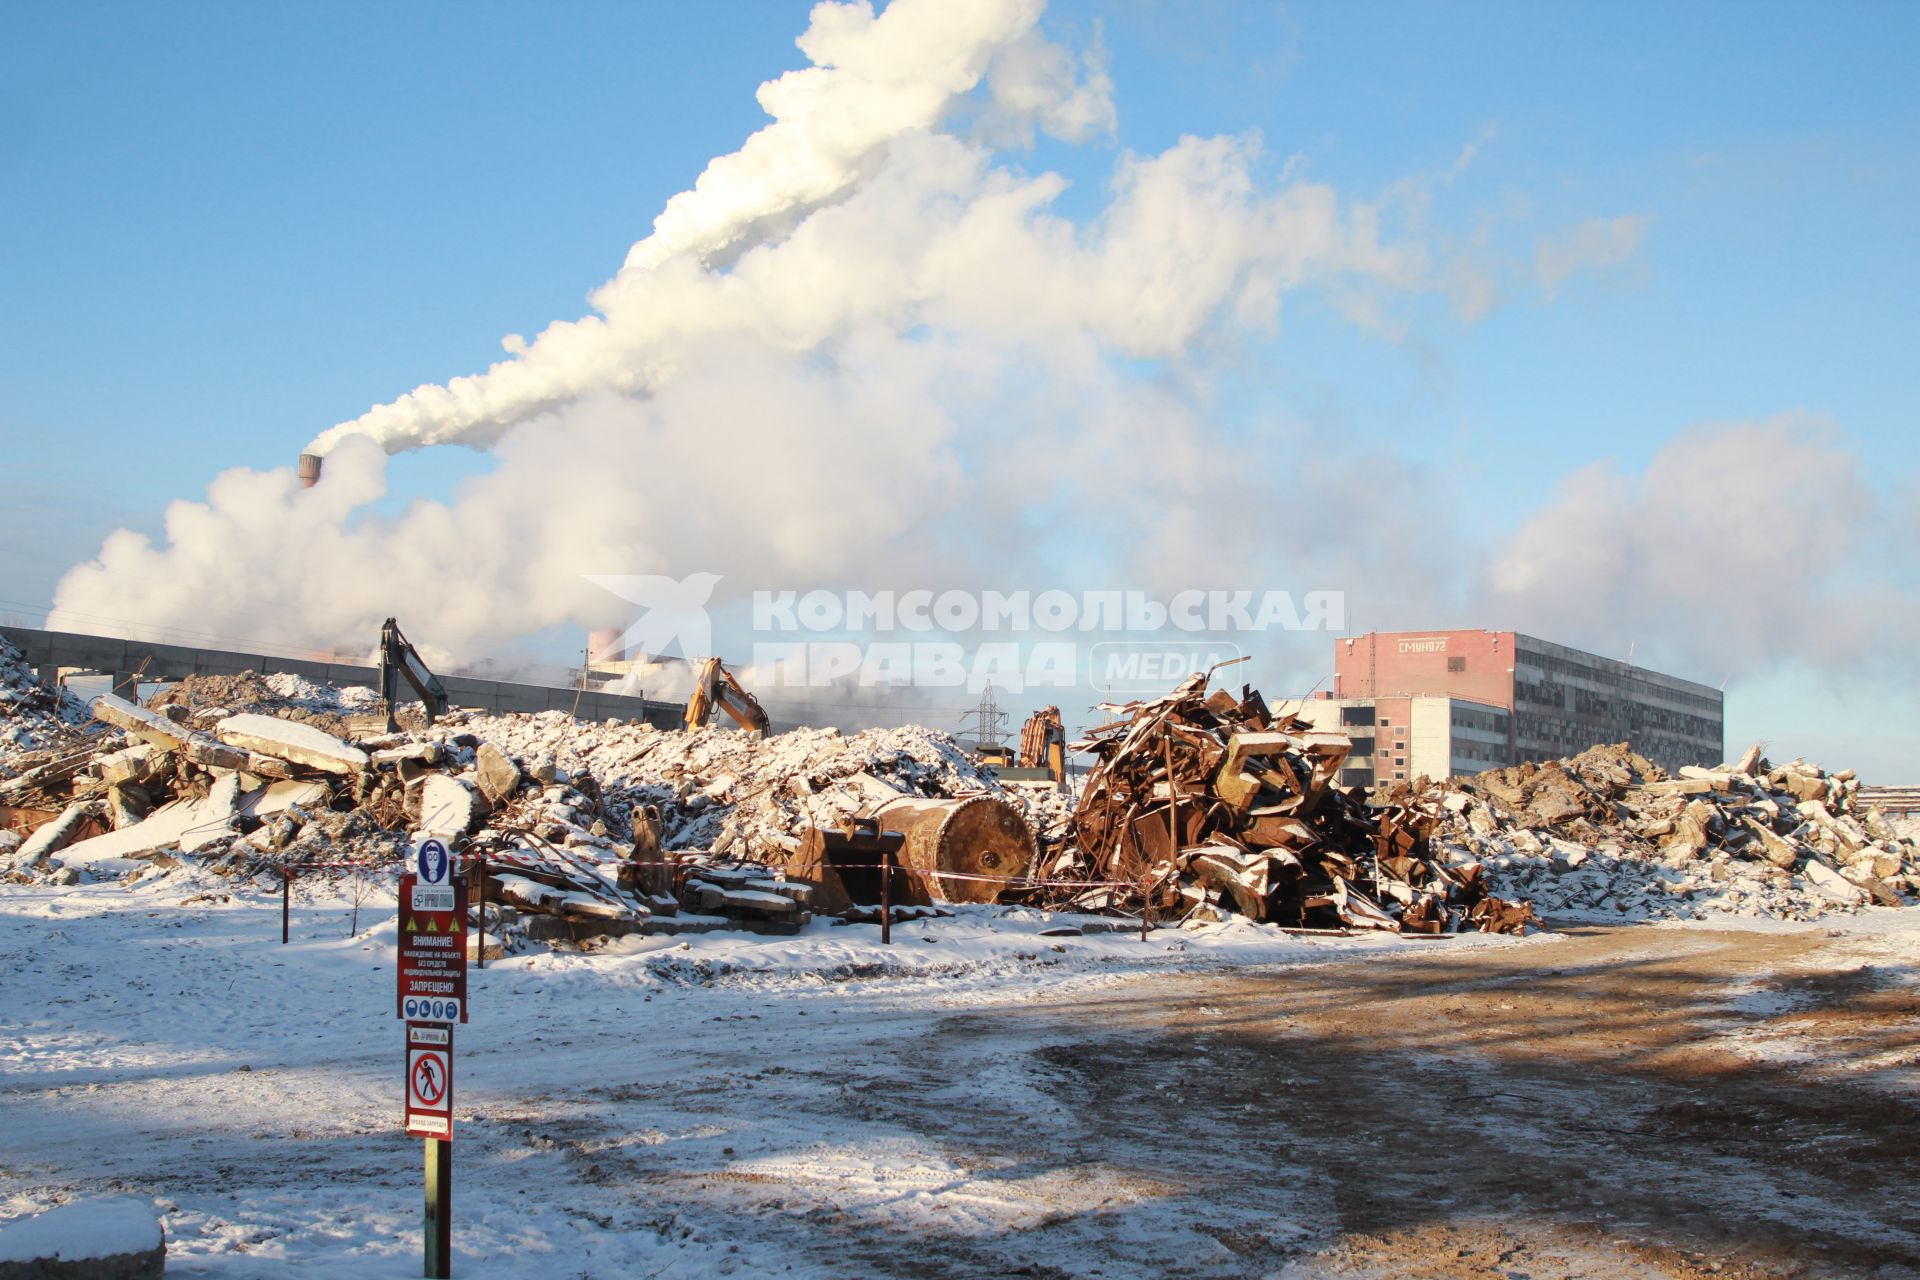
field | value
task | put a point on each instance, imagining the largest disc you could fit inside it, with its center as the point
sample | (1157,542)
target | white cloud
(1739,547)
(1598,244)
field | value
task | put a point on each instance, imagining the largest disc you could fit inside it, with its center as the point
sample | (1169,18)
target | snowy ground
(730,1105)
(159,1039)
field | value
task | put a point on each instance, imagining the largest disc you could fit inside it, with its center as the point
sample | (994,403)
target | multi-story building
(1456,702)
(1413,735)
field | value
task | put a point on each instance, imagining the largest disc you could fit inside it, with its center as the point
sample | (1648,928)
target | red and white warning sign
(429,1080)
(433,951)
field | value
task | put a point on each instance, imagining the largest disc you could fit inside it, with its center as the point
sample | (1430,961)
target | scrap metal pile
(1210,803)
(1608,832)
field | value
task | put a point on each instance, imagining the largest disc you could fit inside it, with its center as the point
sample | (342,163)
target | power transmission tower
(988,720)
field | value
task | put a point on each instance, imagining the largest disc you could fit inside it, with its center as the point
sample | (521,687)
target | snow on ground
(1827,1011)
(664,1107)
(159,1041)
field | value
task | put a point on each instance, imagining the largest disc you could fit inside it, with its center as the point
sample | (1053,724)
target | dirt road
(1590,1107)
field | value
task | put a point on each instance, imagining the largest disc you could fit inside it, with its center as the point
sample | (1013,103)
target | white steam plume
(862,352)
(874,79)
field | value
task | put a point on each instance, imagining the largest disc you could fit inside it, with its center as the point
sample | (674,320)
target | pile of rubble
(281,694)
(33,718)
(1201,805)
(603,826)
(1210,803)
(1608,832)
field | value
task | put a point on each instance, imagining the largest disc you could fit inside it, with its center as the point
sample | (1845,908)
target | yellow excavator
(715,686)
(1043,743)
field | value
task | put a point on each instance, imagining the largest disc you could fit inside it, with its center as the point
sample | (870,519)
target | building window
(1456,664)
(1384,720)
(1399,775)
(1399,760)
(1356,715)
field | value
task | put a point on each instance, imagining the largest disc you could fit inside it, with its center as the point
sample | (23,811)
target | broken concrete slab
(497,775)
(135,764)
(127,806)
(1833,886)
(149,726)
(289,740)
(57,835)
(278,797)
(448,806)
(187,825)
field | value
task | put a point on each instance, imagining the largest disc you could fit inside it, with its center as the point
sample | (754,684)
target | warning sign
(429,1080)
(433,952)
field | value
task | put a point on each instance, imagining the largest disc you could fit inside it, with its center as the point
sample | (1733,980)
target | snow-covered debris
(1609,833)
(186,825)
(300,744)
(33,718)
(116,1236)
(731,793)
(204,699)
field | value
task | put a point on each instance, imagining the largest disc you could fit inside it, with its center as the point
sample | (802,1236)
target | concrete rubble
(584,829)
(1201,806)
(1610,834)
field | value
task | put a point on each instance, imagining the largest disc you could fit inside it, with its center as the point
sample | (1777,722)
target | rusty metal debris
(1210,803)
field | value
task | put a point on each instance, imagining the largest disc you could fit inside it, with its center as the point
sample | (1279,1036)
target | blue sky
(228,227)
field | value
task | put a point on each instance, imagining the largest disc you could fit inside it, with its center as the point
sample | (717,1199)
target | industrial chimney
(604,646)
(309,470)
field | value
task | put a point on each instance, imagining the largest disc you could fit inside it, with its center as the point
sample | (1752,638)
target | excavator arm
(400,659)
(715,686)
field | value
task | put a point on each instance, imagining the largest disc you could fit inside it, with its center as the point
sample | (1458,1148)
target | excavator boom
(400,659)
(715,686)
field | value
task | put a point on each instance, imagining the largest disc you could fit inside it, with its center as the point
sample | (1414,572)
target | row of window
(1645,689)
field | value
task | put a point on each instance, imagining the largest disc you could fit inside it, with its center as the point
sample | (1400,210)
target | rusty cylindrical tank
(973,835)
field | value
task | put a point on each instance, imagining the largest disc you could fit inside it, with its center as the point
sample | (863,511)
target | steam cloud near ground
(865,349)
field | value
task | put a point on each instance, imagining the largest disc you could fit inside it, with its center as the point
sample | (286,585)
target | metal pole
(480,896)
(286,896)
(886,899)
(438,1227)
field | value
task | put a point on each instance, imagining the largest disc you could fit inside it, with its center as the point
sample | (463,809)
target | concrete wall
(119,657)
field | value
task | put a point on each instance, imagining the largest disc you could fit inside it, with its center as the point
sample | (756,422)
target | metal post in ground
(480,896)
(437,1230)
(886,899)
(286,901)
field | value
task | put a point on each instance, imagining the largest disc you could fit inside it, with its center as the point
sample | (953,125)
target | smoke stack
(309,470)
(605,646)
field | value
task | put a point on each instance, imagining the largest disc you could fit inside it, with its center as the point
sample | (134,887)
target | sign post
(432,997)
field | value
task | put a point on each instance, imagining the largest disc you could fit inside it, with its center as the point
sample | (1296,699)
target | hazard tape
(1022,881)
(694,869)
